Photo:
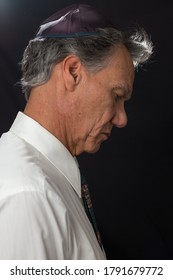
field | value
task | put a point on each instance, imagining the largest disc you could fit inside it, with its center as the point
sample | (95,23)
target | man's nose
(120,117)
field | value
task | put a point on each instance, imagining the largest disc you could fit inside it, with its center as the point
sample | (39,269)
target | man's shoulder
(24,169)
(19,169)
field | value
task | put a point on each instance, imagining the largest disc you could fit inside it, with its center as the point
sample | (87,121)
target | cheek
(107,112)
(101,121)
(96,109)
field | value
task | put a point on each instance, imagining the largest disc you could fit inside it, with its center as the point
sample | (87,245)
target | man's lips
(107,134)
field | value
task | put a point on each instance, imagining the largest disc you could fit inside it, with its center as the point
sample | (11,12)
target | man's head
(93,60)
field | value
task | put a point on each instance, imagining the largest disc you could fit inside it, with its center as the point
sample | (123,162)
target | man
(77,73)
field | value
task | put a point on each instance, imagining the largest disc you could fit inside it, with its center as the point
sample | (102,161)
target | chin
(93,148)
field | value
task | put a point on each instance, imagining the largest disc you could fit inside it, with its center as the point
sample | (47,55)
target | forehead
(120,68)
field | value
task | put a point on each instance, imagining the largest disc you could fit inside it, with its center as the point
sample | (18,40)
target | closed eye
(121,93)
(119,97)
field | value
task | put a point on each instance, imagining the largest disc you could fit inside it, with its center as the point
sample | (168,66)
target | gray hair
(42,54)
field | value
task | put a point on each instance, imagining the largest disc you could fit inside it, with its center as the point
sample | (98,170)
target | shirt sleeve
(32,228)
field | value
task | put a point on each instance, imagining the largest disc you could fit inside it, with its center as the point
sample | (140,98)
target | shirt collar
(47,144)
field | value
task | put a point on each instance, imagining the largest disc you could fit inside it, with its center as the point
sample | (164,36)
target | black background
(131,177)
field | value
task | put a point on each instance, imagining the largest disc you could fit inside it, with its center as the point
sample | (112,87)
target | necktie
(89,208)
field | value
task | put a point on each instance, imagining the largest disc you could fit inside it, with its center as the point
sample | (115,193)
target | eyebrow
(126,90)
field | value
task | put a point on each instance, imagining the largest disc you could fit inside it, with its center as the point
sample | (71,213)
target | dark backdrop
(131,177)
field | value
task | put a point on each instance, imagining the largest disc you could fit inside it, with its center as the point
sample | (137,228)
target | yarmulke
(74,20)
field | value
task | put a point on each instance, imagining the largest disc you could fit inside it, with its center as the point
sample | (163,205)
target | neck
(50,113)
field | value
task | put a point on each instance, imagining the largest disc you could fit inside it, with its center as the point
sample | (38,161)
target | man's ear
(72,68)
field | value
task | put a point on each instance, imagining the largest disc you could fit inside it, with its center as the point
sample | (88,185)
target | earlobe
(72,71)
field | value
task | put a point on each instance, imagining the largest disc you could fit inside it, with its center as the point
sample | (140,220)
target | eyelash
(118,97)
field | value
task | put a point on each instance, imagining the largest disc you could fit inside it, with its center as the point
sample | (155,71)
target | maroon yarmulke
(74,20)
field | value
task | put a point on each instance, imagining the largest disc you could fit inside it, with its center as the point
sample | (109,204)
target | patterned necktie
(89,208)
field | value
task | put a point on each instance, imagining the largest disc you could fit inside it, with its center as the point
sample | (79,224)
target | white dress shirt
(41,210)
